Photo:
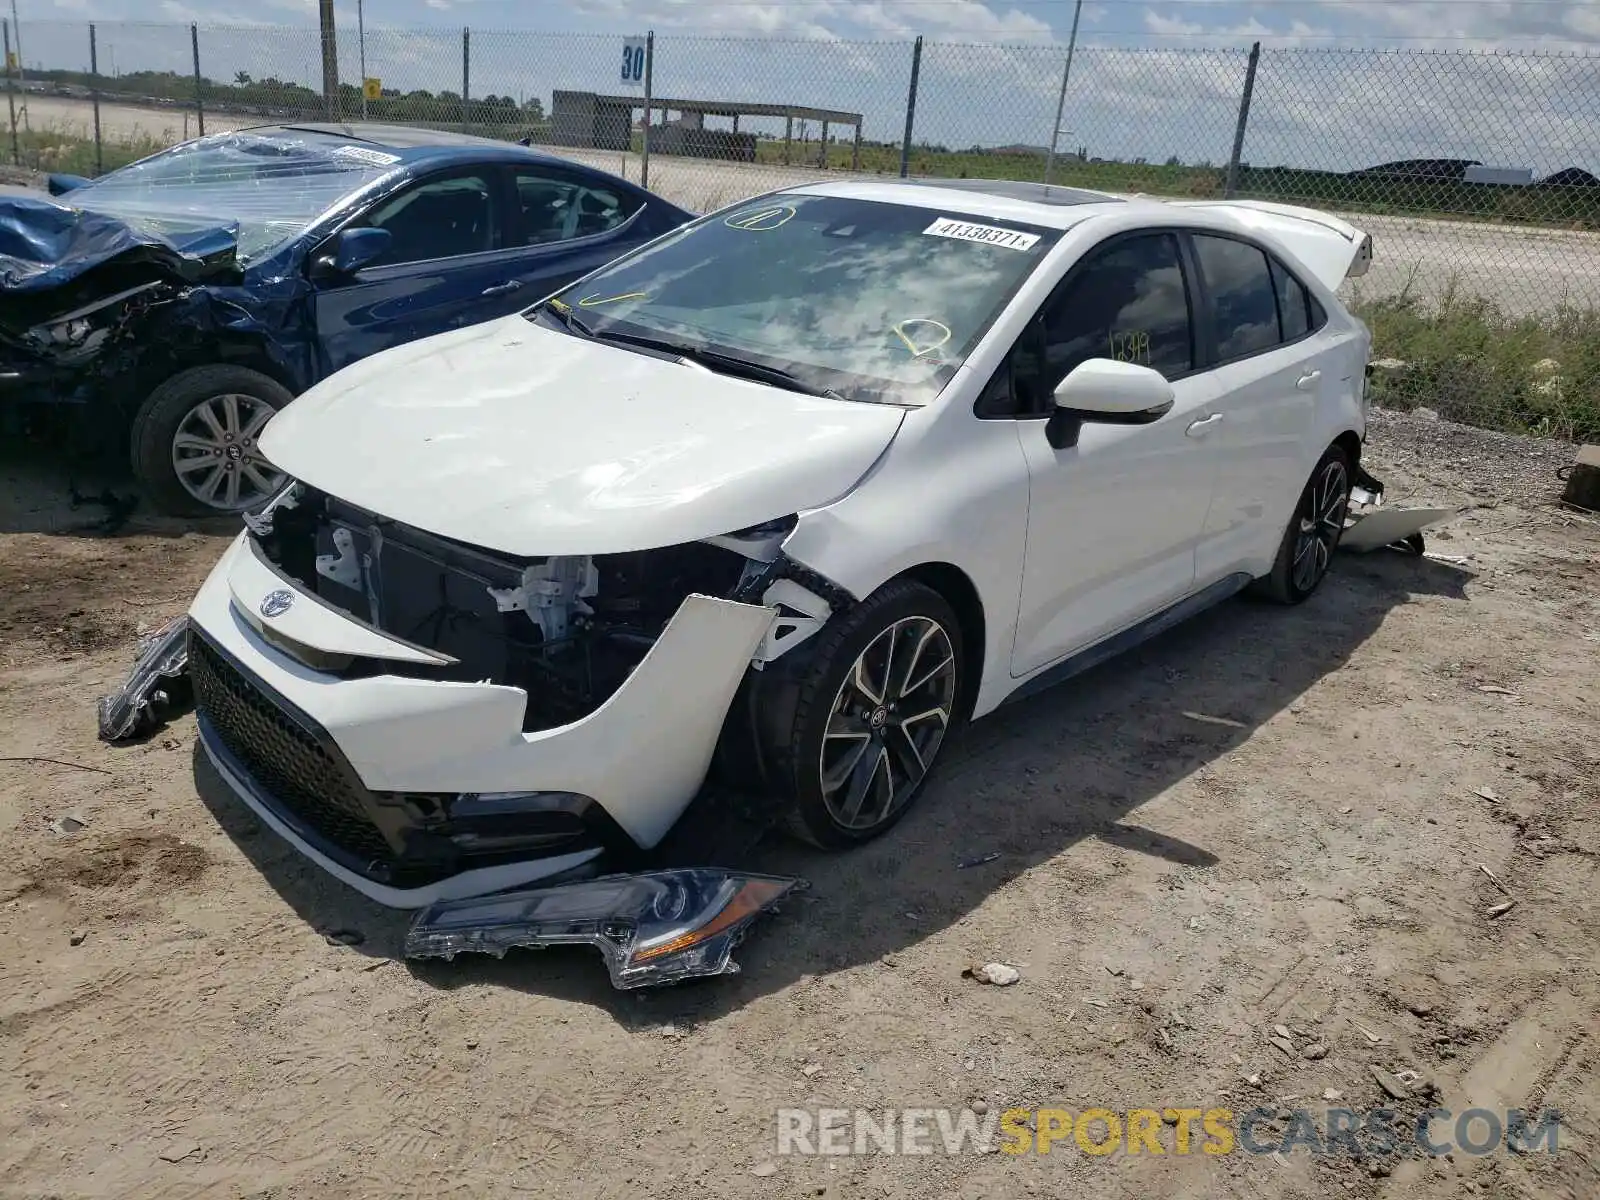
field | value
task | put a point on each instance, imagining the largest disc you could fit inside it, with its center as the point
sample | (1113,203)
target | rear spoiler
(1330,248)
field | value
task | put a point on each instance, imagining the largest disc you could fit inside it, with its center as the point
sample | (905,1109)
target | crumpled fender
(151,296)
(44,245)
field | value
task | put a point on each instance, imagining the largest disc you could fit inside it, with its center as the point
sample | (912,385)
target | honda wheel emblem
(275,604)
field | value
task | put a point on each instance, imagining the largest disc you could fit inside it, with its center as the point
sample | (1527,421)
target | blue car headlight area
(653,928)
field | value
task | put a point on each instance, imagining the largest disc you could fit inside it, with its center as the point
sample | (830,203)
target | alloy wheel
(215,454)
(1321,522)
(887,722)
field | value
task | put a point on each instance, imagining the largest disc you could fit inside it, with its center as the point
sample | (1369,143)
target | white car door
(1269,375)
(1112,521)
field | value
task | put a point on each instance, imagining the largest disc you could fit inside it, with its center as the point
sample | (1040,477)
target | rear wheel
(1313,533)
(875,704)
(195,441)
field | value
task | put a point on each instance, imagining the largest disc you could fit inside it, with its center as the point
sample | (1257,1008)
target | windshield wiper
(564,314)
(726,364)
(715,360)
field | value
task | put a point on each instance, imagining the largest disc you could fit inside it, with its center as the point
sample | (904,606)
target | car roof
(409,144)
(1047,205)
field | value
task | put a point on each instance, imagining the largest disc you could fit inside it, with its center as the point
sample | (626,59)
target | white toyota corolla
(787,495)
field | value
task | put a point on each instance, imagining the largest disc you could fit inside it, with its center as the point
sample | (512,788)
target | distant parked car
(182,300)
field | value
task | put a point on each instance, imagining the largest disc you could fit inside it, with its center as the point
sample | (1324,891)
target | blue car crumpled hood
(46,245)
(89,302)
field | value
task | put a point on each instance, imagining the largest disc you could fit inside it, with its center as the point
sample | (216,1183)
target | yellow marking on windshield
(760,220)
(596,301)
(917,351)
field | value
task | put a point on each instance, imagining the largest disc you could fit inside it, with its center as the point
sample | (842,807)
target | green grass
(55,150)
(1471,362)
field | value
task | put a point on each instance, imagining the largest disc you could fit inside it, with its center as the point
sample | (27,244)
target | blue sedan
(194,293)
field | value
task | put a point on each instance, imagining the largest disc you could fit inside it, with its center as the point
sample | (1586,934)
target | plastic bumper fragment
(1369,526)
(652,928)
(157,687)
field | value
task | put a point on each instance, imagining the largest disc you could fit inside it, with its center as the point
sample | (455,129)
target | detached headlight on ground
(653,928)
(159,681)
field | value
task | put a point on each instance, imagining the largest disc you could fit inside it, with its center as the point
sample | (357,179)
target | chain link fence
(1471,170)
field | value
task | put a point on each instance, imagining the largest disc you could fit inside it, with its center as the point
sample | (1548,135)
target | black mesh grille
(283,757)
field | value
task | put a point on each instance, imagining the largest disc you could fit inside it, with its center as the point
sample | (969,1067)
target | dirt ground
(175,1019)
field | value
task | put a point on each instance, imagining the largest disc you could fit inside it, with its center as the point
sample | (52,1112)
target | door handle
(1307,381)
(500,289)
(1203,426)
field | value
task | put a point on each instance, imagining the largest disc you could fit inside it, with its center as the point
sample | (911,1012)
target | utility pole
(1061,100)
(330,58)
(22,75)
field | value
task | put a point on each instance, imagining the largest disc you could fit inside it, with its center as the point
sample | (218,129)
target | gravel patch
(1506,468)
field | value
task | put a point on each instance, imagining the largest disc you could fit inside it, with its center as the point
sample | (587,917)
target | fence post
(649,93)
(361,44)
(1244,120)
(94,99)
(199,98)
(466,73)
(330,60)
(1061,100)
(855,150)
(11,98)
(911,107)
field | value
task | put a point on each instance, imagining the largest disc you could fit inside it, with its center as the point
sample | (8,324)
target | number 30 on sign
(633,60)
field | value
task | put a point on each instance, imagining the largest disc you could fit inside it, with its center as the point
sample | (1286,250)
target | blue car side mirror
(356,248)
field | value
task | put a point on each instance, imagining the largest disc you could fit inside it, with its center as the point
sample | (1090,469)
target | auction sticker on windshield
(376,158)
(991,235)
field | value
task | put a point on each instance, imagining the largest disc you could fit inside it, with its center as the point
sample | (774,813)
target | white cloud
(1571,25)
(1165,26)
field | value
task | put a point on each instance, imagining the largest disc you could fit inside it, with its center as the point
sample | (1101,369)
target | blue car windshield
(873,300)
(270,187)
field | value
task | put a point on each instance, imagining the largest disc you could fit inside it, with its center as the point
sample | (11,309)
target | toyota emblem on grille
(275,604)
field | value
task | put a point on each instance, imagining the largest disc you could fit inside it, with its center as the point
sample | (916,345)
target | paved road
(1520,269)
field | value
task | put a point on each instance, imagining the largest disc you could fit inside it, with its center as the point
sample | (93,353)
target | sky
(1341,84)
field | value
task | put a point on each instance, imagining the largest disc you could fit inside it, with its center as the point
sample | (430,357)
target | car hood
(45,244)
(534,442)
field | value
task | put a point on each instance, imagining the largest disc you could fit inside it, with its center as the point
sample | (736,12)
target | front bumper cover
(364,775)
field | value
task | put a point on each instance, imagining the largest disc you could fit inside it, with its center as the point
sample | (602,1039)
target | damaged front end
(566,630)
(77,290)
(652,928)
(434,722)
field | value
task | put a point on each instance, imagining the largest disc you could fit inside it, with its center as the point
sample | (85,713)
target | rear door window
(556,208)
(1243,297)
(1294,303)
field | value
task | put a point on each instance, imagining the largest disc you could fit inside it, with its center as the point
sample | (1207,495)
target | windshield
(871,300)
(272,187)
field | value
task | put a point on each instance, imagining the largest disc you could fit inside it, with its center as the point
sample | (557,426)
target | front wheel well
(958,590)
(1350,444)
(235,351)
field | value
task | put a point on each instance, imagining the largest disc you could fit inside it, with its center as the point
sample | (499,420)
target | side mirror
(1110,393)
(354,249)
(60,185)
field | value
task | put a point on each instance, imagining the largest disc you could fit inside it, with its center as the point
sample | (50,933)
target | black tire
(797,722)
(1293,579)
(164,414)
